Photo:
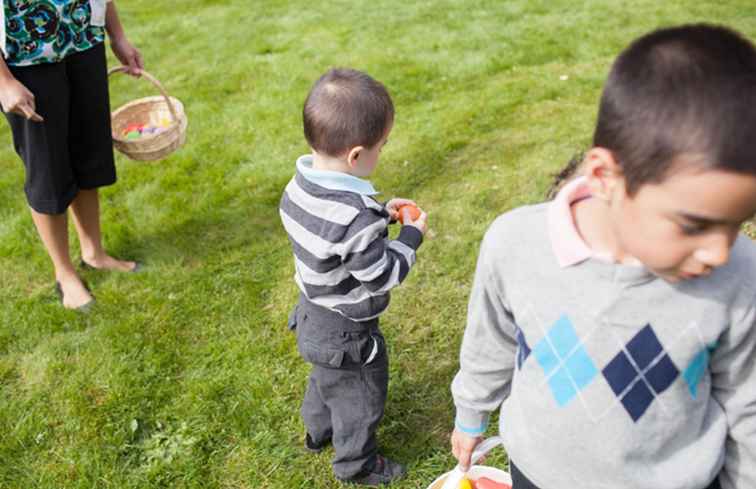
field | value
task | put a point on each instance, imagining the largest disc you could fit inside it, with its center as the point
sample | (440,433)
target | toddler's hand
(420,223)
(463,446)
(393,205)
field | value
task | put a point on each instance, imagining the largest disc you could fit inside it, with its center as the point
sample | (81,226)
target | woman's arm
(15,97)
(126,53)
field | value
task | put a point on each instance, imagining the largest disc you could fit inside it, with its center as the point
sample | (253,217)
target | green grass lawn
(185,375)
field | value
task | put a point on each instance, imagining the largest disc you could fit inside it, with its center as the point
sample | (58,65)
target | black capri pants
(73,148)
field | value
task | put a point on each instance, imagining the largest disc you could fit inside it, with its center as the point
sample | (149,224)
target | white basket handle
(484,447)
(455,476)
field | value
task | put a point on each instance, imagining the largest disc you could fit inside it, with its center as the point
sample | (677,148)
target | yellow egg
(465,484)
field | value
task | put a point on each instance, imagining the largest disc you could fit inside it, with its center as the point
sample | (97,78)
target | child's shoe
(313,447)
(385,471)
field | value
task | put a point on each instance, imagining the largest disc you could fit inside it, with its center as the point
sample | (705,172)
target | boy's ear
(603,172)
(353,155)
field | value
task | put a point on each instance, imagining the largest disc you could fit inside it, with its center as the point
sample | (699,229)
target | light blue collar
(333,180)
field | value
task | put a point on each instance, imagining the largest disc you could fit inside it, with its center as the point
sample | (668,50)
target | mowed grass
(185,375)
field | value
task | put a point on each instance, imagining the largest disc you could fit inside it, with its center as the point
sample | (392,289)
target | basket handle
(154,81)
(455,476)
(484,447)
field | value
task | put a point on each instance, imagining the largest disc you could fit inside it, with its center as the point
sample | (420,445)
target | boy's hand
(16,98)
(420,223)
(128,55)
(463,446)
(393,205)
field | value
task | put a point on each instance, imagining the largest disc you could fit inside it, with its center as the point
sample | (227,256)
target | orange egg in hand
(412,210)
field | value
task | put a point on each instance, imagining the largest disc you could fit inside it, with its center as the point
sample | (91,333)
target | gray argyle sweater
(607,376)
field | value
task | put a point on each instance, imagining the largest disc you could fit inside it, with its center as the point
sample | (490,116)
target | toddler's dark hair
(346,108)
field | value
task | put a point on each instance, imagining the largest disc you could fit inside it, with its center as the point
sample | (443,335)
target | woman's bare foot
(74,294)
(107,262)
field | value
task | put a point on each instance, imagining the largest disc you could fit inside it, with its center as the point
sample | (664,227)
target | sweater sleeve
(378,263)
(733,371)
(487,356)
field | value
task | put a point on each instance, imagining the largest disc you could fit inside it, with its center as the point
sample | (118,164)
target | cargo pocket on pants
(321,355)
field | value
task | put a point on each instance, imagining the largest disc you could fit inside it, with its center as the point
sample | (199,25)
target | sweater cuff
(470,422)
(391,219)
(411,236)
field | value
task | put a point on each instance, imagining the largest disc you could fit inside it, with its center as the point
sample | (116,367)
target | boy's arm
(375,261)
(733,378)
(487,357)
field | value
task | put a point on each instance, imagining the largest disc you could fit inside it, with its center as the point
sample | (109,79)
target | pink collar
(568,245)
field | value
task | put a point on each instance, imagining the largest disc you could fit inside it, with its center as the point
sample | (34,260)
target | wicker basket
(149,111)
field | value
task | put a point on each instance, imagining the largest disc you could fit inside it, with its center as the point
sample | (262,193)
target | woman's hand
(128,55)
(16,98)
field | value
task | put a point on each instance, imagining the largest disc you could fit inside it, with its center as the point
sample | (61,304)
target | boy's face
(683,227)
(367,160)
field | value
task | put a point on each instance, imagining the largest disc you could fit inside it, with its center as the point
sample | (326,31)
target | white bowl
(475,472)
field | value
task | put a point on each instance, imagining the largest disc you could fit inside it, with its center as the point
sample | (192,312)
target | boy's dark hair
(564,175)
(683,92)
(346,108)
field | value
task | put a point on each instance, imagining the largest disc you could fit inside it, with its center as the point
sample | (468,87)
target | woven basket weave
(149,111)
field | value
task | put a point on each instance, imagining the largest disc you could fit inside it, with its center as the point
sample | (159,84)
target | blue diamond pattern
(695,371)
(581,368)
(644,347)
(546,357)
(563,337)
(637,400)
(620,372)
(577,371)
(523,350)
(561,387)
(661,375)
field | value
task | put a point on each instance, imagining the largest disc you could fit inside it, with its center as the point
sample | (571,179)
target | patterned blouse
(46,31)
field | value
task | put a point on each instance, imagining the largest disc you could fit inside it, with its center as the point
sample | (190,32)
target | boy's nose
(716,250)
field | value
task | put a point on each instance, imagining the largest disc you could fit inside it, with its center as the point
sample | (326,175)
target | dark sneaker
(313,447)
(385,471)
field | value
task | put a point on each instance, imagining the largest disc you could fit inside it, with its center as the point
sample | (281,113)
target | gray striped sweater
(343,258)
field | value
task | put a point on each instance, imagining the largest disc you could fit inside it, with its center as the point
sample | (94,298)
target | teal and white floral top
(46,31)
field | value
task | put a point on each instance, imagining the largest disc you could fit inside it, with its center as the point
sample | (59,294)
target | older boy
(616,325)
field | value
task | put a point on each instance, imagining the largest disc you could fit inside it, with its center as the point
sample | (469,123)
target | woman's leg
(85,209)
(91,145)
(53,229)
